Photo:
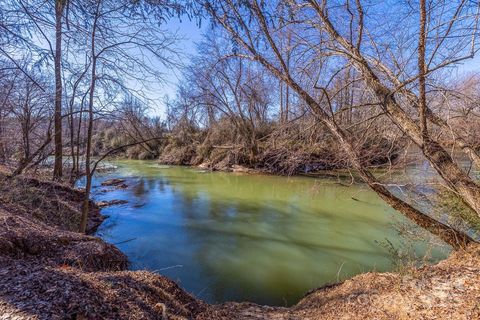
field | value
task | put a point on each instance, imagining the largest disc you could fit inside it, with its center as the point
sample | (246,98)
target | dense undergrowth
(292,149)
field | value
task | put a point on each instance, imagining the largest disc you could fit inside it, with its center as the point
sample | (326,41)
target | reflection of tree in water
(257,238)
(228,231)
(142,188)
(162,184)
(139,189)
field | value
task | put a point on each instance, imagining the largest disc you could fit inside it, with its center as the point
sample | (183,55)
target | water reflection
(238,237)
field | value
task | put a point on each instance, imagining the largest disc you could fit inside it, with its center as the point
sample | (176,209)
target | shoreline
(83,277)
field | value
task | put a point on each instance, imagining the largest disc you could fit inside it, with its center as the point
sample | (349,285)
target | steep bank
(48,271)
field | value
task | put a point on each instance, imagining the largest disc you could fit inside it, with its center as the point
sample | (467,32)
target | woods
(285,87)
(120,40)
(391,87)
(251,150)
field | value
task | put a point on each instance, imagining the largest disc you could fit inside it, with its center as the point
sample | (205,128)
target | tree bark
(459,141)
(88,171)
(455,239)
(435,119)
(58,164)
(422,107)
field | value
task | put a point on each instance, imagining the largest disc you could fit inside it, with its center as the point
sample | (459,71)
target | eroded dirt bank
(49,271)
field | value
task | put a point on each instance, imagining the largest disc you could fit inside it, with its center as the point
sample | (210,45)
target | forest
(335,142)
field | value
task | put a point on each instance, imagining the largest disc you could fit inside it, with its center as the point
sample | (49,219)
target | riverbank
(47,271)
(222,148)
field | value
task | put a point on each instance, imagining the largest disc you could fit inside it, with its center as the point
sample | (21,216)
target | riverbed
(250,237)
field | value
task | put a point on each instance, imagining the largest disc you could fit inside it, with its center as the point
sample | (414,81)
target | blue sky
(188,31)
(471,65)
(191,34)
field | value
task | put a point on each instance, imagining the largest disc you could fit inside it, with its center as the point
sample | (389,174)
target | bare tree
(253,25)
(58,164)
(120,43)
(440,159)
(46,17)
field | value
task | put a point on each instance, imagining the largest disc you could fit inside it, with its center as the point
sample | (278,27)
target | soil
(50,271)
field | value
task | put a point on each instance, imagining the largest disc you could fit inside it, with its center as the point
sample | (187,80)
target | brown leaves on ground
(33,291)
(53,203)
(48,271)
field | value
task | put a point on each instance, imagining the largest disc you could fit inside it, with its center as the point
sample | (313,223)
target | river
(248,237)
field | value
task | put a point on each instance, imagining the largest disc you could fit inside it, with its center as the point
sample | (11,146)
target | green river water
(265,239)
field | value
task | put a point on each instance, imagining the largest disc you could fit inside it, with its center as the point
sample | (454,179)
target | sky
(190,34)
(470,65)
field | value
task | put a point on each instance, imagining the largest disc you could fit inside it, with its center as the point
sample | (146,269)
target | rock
(238,168)
(103,204)
(114,182)
(203,165)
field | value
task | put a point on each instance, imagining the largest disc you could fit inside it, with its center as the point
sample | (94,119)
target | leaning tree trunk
(457,139)
(454,238)
(444,232)
(438,157)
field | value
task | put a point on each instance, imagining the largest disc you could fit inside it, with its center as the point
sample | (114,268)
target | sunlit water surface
(228,236)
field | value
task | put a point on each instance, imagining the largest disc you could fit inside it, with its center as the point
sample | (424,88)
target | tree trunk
(2,145)
(281,102)
(452,237)
(26,161)
(438,157)
(88,171)
(444,232)
(79,129)
(459,141)
(437,120)
(72,147)
(455,239)
(58,164)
